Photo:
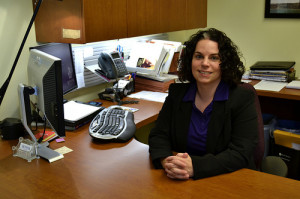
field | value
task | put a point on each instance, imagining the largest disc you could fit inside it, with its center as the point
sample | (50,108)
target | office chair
(274,165)
(270,164)
(260,148)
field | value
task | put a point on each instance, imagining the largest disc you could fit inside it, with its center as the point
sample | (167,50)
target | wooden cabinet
(155,16)
(84,21)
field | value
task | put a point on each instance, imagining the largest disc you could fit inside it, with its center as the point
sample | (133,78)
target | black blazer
(231,137)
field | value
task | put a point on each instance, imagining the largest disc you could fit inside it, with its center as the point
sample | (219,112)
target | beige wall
(14,19)
(258,38)
(242,20)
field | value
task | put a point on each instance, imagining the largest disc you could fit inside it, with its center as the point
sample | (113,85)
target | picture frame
(282,9)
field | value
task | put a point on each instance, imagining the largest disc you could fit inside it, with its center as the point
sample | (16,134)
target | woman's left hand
(179,166)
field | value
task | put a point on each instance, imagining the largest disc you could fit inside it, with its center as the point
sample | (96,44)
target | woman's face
(206,62)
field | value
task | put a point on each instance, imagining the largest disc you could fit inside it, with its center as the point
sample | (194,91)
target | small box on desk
(142,84)
(287,147)
(292,159)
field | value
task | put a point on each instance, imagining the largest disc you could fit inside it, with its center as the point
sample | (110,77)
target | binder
(273,65)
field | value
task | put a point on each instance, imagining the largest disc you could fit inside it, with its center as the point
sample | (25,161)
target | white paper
(122,83)
(294,84)
(79,67)
(88,52)
(150,95)
(296,146)
(246,80)
(270,85)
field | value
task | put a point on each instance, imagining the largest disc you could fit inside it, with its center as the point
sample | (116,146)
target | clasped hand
(179,166)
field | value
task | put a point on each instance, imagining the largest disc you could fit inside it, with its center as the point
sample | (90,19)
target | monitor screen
(64,52)
(45,76)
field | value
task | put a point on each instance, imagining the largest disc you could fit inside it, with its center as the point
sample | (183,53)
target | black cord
(41,138)
(6,83)
(35,116)
(128,102)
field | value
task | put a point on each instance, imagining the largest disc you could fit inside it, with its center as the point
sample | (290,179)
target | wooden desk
(283,104)
(123,170)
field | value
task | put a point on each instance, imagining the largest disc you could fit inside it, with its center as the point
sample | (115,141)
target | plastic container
(269,126)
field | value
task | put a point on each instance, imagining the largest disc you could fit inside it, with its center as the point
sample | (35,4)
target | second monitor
(62,51)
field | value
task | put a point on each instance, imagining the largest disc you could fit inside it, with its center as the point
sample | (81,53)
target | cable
(6,83)
(42,137)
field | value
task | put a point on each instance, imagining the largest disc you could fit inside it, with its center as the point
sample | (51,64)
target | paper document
(270,85)
(74,111)
(150,95)
(294,84)
(161,78)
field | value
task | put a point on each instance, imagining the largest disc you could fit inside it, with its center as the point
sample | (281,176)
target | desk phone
(112,65)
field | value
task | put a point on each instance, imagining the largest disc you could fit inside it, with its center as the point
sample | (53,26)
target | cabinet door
(196,14)
(104,19)
(155,16)
(172,15)
(143,17)
(59,21)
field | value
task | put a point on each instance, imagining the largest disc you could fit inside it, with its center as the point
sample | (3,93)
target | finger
(179,163)
(182,155)
(170,166)
(178,177)
(176,171)
(170,158)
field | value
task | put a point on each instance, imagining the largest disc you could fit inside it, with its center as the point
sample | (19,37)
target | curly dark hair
(232,68)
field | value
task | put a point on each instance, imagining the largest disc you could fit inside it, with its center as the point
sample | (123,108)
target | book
(48,136)
(74,111)
(73,125)
(273,65)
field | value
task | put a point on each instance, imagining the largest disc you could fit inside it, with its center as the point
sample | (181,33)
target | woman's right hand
(175,167)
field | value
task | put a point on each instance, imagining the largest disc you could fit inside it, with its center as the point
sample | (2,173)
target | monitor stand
(26,148)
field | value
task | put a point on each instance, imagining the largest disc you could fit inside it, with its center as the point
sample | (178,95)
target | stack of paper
(294,84)
(273,71)
(150,95)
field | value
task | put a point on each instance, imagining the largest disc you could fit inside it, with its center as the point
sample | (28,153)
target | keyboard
(113,123)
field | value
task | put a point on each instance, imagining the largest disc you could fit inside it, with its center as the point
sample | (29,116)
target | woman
(210,122)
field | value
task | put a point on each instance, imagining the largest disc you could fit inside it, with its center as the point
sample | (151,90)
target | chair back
(260,148)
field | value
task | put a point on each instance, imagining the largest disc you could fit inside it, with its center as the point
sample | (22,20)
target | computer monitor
(45,76)
(62,51)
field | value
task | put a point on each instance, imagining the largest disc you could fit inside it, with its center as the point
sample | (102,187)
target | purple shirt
(196,142)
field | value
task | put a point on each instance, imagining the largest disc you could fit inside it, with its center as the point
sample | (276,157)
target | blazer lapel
(215,125)
(183,122)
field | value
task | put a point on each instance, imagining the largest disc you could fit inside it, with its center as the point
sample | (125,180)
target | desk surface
(285,93)
(123,170)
